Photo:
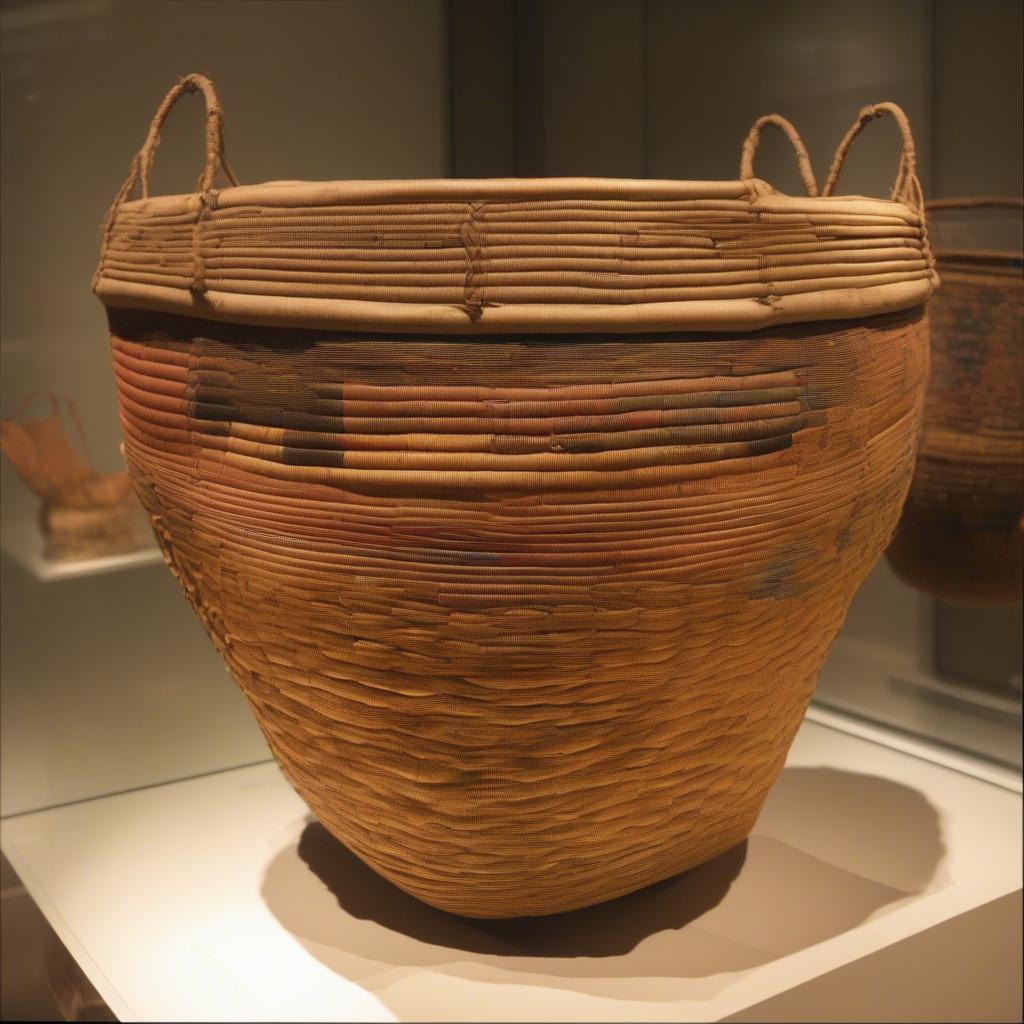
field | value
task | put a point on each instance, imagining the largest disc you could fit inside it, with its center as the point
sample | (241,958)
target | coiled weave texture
(493,256)
(527,624)
(961,534)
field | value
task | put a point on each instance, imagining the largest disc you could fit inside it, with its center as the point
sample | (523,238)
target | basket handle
(906,188)
(48,396)
(977,202)
(753,139)
(44,394)
(216,162)
(142,164)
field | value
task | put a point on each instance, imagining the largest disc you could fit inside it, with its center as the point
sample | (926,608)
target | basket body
(528,623)
(523,511)
(960,535)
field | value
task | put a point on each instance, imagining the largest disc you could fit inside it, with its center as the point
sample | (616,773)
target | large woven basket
(960,535)
(523,512)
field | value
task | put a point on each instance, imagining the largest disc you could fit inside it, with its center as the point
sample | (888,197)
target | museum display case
(531,469)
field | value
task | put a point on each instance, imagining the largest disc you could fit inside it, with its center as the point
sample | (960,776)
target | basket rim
(457,255)
(537,255)
(355,190)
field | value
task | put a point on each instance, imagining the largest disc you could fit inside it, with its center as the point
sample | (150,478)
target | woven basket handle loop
(216,161)
(753,139)
(906,188)
(77,420)
(977,203)
(142,164)
(43,394)
(46,395)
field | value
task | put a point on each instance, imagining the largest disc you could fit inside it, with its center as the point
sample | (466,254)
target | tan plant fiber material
(524,513)
(961,534)
(83,514)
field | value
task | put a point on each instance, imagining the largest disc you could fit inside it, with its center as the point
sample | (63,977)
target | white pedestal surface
(220,898)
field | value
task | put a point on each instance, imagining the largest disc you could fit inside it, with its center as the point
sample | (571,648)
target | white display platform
(219,898)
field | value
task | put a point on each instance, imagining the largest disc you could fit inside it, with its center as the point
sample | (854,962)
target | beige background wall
(665,88)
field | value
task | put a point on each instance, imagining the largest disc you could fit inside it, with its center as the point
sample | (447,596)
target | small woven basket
(523,511)
(84,514)
(960,535)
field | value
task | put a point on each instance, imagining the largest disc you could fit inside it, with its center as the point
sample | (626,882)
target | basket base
(355,882)
(577,893)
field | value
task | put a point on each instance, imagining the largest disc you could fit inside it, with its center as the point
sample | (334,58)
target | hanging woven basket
(960,535)
(523,511)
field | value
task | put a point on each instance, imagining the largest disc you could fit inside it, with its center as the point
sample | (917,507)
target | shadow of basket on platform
(831,849)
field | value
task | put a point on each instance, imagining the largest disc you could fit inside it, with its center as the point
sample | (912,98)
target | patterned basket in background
(961,534)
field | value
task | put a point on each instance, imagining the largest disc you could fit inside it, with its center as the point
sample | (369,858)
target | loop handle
(40,394)
(215,162)
(753,139)
(46,395)
(142,164)
(906,188)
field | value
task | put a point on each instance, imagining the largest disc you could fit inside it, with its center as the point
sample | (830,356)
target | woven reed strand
(560,250)
(528,624)
(960,535)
